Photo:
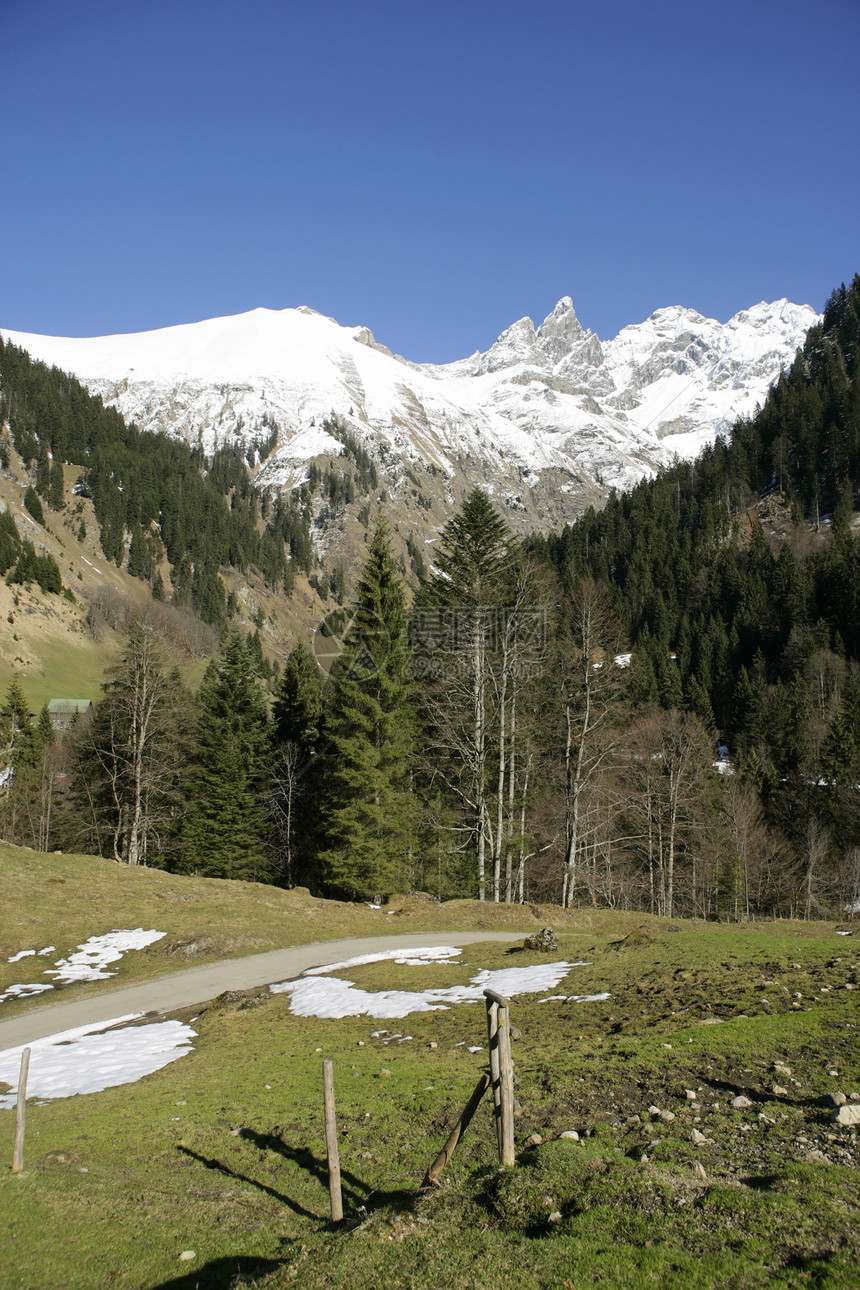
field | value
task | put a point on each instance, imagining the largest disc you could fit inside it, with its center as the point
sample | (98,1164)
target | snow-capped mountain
(547,419)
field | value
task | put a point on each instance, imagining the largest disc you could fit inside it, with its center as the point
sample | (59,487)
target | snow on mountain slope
(676,374)
(547,418)
(680,373)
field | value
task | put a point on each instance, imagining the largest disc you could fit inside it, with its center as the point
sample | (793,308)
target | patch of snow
(410,957)
(93,956)
(623,660)
(576,998)
(315,995)
(91,1058)
(88,964)
(23,991)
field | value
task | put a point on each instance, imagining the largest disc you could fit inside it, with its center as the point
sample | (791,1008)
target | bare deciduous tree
(588,692)
(665,772)
(130,752)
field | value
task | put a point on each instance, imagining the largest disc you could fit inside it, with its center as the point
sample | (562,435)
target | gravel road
(196,985)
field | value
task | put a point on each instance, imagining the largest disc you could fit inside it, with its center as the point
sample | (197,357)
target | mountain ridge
(548,419)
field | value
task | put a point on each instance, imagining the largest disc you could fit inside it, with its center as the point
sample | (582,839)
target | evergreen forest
(657,708)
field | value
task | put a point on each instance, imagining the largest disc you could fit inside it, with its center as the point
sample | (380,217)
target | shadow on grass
(761,1182)
(354,1190)
(219,1167)
(783,1099)
(222,1273)
(358,1196)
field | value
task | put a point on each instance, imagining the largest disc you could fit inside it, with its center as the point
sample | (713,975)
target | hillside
(61,900)
(678,1098)
(741,634)
(98,526)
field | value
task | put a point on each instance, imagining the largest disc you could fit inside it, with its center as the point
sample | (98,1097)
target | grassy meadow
(222,1153)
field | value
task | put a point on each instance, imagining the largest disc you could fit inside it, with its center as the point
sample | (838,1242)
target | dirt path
(196,985)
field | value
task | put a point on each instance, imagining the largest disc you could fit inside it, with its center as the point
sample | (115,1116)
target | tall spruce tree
(459,624)
(367,807)
(226,829)
(20,746)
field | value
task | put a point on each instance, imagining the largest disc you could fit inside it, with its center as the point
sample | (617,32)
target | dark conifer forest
(153,495)
(657,708)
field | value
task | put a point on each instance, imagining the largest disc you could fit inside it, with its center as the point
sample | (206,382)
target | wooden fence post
(331,1143)
(495,1080)
(18,1148)
(502,1071)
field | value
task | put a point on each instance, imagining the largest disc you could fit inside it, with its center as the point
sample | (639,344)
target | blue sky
(433,171)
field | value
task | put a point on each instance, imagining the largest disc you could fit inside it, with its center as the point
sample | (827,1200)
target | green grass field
(222,1153)
(68,671)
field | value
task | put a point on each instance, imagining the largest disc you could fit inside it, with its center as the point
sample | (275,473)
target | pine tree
(20,747)
(56,488)
(43,471)
(138,556)
(297,710)
(45,725)
(367,808)
(459,623)
(224,835)
(33,505)
(839,752)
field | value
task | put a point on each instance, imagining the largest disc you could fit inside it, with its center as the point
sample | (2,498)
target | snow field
(316,994)
(91,1058)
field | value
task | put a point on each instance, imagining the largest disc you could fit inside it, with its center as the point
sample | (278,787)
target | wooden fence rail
(456,1133)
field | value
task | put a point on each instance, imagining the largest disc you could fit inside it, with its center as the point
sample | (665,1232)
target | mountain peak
(560,332)
(564,306)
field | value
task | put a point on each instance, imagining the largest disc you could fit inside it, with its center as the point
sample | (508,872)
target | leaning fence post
(18,1148)
(331,1143)
(456,1133)
(501,1071)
